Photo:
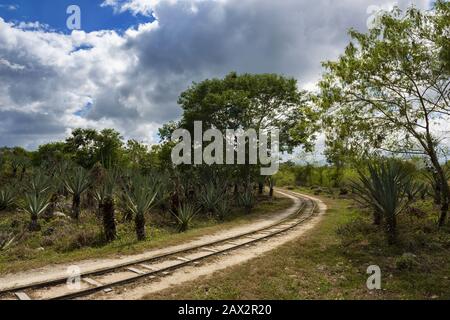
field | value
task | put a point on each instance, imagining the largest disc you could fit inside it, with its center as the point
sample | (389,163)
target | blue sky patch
(53,13)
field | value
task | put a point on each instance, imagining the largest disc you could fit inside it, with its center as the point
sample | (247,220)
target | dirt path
(190,273)
(61,271)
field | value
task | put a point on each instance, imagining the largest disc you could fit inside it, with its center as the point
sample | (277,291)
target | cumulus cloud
(131,80)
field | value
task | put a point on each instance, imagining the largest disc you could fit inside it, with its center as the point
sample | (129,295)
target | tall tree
(390,89)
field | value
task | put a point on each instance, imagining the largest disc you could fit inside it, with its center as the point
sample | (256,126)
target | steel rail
(90,291)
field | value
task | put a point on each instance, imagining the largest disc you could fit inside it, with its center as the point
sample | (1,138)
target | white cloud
(133,79)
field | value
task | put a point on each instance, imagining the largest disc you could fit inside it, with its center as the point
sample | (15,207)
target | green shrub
(184,216)
(7,198)
(406,262)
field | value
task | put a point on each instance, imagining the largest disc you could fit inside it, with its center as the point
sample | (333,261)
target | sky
(127,64)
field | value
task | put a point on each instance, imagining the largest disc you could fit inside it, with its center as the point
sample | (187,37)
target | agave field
(64,206)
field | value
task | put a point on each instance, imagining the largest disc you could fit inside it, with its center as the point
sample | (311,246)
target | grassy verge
(62,240)
(330,262)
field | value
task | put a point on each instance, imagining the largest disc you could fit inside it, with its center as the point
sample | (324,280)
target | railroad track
(158,266)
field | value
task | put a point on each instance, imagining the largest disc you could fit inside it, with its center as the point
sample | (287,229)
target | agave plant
(140,199)
(210,197)
(385,189)
(106,206)
(35,205)
(223,209)
(7,239)
(7,198)
(185,214)
(38,184)
(247,200)
(76,184)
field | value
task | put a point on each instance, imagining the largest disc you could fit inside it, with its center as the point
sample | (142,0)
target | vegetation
(389,90)
(141,197)
(388,189)
(184,215)
(331,261)
(380,105)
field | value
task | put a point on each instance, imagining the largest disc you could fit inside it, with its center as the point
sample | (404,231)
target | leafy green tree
(50,153)
(256,101)
(88,146)
(390,89)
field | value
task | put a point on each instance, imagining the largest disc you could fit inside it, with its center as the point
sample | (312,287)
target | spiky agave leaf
(210,197)
(141,195)
(247,200)
(77,182)
(384,188)
(39,184)
(223,208)
(107,187)
(7,198)
(35,204)
(186,213)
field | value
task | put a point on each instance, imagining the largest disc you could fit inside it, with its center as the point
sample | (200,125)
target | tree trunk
(34,224)
(109,222)
(260,188)
(140,227)
(443,187)
(437,189)
(271,192)
(391,228)
(377,218)
(76,206)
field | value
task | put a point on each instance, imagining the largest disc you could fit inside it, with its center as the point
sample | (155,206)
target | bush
(406,262)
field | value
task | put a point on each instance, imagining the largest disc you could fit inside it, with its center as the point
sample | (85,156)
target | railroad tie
(233,243)
(148,267)
(183,259)
(135,270)
(92,282)
(210,250)
(22,296)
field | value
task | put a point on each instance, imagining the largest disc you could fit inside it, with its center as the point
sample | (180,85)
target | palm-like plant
(105,197)
(38,184)
(76,184)
(247,200)
(140,199)
(7,198)
(35,205)
(385,189)
(223,208)
(210,197)
(8,239)
(185,214)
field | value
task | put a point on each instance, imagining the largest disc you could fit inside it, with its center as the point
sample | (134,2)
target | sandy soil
(61,271)
(190,273)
